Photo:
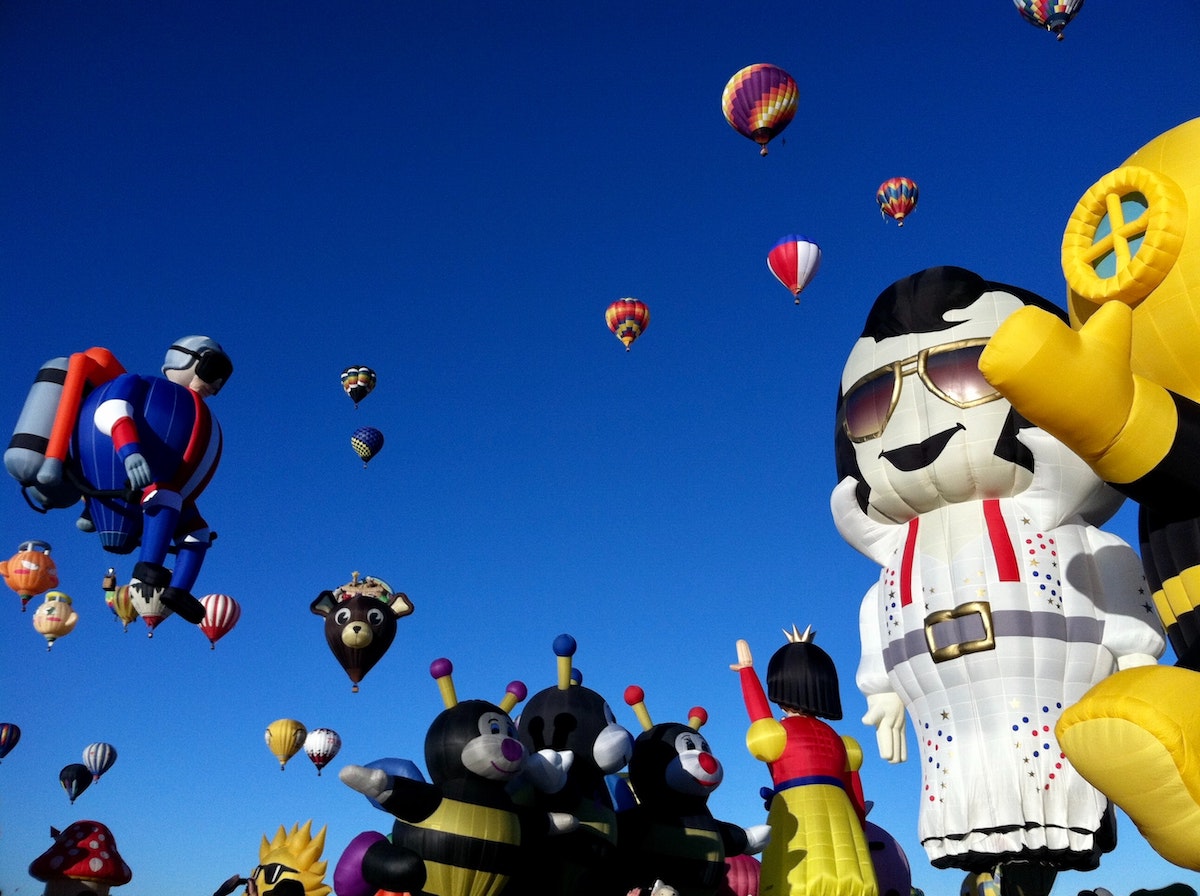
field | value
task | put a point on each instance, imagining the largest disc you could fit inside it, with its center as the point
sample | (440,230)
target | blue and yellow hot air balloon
(366,441)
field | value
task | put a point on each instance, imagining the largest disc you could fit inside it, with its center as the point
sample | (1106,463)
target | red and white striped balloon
(221,613)
(321,745)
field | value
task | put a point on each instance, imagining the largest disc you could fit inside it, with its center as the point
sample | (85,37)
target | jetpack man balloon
(999,601)
(139,449)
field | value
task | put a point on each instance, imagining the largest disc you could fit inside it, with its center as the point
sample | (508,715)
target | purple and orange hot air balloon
(628,319)
(1050,15)
(794,261)
(759,102)
(897,197)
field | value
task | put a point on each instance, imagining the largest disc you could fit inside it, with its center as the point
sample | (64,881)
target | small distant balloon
(221,614)
(75,779)
(794,261)
(358,382)
(367,442)
(55,617)
(119,599)
(321,745)
(897,197)
(99,758)
(759,102)
(1050,15)
(628,319)
(30,571)
(284,739)
(9,735)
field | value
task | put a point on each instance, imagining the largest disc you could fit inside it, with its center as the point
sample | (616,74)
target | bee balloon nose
(708,762)
(511,749)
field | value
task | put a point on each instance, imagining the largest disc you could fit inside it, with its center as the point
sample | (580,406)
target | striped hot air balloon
(221,614)
(628,319)
(759,102)
(897,197)
(99,758)
(794,261)
(1050,15)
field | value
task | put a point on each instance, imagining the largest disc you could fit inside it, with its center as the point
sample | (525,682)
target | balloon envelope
(358,382)
(75,779)
(55,617)
(759,102)
(30,571)
(99,758)
(9,735)
(284,739)
(221,614)
(897,197)
(794,261)
(741,876)
(120,601)
(321,745)
(628,319)
(1052,15)
(367,441)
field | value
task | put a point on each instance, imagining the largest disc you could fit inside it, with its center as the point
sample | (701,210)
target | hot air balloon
(897,197)
(146,603)
(119,600)
(55,617)
(627,318)
(794,261)
(285,738)
(30,571)
(321,745)
(9,735)
(367,441)
(360,622)
(221,614)
(75,779)
(99,758)
(1050,15)
(978,519)
(759,102)
(358,382)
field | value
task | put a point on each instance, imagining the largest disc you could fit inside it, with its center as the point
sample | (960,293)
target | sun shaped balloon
(759,102)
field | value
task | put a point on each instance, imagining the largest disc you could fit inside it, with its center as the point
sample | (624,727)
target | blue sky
(452,195)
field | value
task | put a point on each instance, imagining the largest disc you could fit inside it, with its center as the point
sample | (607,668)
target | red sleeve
(757,704)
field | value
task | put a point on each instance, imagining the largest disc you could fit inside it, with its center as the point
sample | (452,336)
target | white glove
(885,712)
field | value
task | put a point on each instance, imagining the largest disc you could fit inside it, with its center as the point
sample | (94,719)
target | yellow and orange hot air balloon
(55,617)
(628,319)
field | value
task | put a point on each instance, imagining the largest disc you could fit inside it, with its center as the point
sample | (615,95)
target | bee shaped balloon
(462,833)
(568,718)
(669,833)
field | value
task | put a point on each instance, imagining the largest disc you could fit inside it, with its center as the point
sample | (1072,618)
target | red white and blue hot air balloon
(794,261)
(897,197)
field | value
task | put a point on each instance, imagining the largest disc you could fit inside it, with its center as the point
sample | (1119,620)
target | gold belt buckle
(962,648)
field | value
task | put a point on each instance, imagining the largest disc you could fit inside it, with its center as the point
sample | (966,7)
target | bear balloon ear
(325,603)
(400,604)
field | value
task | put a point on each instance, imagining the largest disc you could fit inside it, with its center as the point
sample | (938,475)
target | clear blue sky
(452,194)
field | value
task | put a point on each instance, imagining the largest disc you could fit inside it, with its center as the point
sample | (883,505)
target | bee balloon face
(473,738)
